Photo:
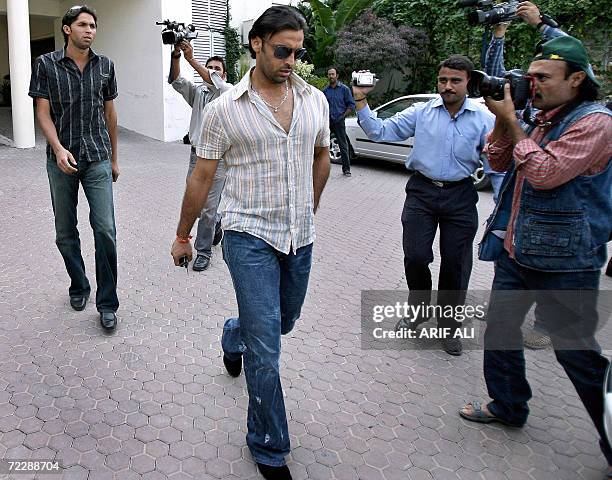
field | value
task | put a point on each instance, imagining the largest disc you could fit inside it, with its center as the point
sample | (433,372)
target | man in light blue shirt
(449,136)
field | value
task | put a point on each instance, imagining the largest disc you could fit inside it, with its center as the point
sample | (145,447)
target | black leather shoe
(233,367)
(218,234)
(201,263)
(274,473)
(78,303)
(347,173)
(452,346)
(108,320)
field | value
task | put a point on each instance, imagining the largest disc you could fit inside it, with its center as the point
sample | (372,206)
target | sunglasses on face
(281,52)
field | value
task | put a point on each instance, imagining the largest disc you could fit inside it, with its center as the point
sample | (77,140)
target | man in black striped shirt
(74,90)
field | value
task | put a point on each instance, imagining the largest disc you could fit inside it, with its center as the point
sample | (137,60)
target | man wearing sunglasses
(74,90)
(272,133)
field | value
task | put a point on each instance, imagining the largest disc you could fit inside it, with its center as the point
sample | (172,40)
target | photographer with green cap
(555,208)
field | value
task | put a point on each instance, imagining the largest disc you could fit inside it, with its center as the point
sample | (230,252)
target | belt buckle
(437,183)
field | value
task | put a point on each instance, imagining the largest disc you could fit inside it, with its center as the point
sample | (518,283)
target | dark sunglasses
(281,52)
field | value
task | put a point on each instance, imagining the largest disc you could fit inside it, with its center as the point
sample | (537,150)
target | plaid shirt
(77,101)
(494,59)
(268,191)
(583,149)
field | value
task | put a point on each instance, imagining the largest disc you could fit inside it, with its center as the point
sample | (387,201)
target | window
(399,105)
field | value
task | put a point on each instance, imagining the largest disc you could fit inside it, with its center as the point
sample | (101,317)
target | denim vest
(564,229)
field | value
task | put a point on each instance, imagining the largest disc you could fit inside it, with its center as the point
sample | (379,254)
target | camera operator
(529,13)
(536,338)
(209,231)
(449,135)
(556,209)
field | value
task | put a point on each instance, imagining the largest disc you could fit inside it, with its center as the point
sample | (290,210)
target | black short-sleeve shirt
(77,101)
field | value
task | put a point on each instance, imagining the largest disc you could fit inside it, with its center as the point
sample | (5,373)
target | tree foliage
(394,53)
(447,28)
(328,22)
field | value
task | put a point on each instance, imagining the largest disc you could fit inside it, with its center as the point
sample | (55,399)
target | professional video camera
(502,12)
(483,85)
(176,32)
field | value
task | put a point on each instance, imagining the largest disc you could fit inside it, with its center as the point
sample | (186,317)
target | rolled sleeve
(110,90)
(499,153)
(323,135)
(186,88)
(218,84)
(38,80)
(212,142)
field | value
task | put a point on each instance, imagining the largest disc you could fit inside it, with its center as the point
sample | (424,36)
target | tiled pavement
(152,401)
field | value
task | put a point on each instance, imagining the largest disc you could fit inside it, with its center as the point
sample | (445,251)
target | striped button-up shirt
(77,101)
(269,185)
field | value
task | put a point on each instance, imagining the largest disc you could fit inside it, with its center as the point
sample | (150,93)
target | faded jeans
(270,289)
(209,217)
(97,182)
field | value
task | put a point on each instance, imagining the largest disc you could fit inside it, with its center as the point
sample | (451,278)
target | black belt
(442,183)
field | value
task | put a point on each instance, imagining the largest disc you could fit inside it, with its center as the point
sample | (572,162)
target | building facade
(127,34)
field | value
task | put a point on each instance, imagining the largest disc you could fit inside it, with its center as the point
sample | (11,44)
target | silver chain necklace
(275,109)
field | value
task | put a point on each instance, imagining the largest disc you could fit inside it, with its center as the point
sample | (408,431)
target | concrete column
(18,19)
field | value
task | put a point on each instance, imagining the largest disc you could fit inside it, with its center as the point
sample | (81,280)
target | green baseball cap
(568,49)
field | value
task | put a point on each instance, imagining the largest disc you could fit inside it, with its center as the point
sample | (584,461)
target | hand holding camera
(503,109)
(363,82)
(187,50)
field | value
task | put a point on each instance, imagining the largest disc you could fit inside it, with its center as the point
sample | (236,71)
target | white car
(361,146)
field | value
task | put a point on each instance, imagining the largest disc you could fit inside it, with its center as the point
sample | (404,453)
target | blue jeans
(96,178)
(270,289)
(504,360)
(209,217)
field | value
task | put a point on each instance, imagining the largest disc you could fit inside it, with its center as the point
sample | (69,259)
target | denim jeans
(270,289)
(339,130)
(209,217)
(504,360)
(97,182)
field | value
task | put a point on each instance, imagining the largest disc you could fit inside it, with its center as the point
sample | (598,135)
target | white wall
(242,10)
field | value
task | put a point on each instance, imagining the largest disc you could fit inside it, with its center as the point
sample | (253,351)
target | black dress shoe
(108,320)
(233,367)
(78,303)
(201,263)
(218,234)
(274,473)
(452,346)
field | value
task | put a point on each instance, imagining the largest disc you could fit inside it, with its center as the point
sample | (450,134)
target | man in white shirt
(272,133)
(209,230)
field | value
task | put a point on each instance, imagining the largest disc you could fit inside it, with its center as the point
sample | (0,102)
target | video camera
(176,32)
(483,85)
(502,12)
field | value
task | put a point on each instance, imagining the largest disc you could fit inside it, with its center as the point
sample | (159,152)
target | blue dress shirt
(445,148)
(340,99)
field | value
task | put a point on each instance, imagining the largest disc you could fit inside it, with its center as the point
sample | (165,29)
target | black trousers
(452,208)
(339,130)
